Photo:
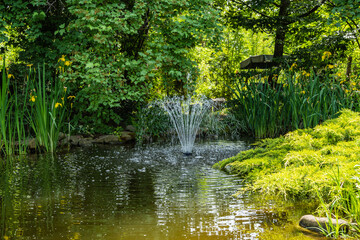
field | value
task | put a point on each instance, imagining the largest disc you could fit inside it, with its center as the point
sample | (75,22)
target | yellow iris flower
(58,104)
(325,55)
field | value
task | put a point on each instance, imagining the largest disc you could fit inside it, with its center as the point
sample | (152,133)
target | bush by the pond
(302,163)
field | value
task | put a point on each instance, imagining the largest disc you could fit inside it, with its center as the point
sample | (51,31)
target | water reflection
(118,193)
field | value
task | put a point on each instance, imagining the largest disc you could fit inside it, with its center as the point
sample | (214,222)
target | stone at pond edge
(130,128)
(315,224)
(127,136)
(61,136)
(32,144)
(78,140)
(107,139)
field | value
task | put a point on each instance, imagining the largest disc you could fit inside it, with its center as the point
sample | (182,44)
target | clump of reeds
(298,100)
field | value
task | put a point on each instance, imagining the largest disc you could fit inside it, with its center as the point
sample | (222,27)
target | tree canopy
(114,50)
(295,24)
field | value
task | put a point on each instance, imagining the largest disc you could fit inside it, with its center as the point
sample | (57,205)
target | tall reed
(47,113)
(19,119)
(12,117)
(5,110)
(294,102)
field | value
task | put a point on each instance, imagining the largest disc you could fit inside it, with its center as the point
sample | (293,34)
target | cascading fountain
(186,115)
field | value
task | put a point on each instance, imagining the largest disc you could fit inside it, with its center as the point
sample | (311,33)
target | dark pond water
(117,192)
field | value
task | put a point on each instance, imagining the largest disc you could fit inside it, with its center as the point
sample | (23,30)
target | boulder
(107,139)
(316,224)
(127,136)
(130,128)
(61,136)
(78,140)
(32,143)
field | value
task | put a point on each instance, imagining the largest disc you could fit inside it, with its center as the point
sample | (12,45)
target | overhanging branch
(312,10)
(248,6)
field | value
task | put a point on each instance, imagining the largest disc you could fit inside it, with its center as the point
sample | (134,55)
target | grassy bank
(320,164)
(303,161)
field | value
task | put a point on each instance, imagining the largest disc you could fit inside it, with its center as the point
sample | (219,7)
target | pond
(119,192)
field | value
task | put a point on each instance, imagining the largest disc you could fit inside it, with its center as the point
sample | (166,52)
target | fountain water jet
(186,115)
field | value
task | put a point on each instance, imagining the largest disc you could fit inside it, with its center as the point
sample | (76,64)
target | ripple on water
(152,192)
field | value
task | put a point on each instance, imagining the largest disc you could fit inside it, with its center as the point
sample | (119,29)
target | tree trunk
(280,35)
(282,27)
(279,42)
(348,68)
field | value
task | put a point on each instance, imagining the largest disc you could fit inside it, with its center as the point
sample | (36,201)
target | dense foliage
(114,51)
(117,56)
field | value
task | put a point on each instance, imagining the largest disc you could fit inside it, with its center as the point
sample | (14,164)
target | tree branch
(248,6)
(353,30)
(276,5)
(312,10)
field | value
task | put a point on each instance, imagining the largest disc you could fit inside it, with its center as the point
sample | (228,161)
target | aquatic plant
(296,101)
(47,112)
(12,123)
(151,122)
(5,138)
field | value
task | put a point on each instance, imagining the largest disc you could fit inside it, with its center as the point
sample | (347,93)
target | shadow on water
(116,192)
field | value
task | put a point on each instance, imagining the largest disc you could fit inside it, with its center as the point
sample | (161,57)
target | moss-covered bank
(303,163)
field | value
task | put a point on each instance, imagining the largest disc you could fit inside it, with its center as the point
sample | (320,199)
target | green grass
(301,161)
(5,123)
(319,164)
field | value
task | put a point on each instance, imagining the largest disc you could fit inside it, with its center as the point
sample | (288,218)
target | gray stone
(315,224)
(107,139)
(32,143)
(130,128)
(64,142)
(127,136)
(78,140)
(61,136)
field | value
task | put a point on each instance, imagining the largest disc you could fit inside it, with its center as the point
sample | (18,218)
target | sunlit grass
(319,164)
